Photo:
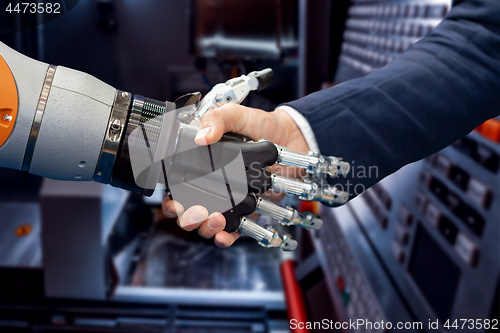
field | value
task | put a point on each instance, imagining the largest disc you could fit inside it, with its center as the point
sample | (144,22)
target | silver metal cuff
(37,121)
(114,134)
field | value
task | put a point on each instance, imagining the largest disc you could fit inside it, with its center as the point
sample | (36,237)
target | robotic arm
(67,125)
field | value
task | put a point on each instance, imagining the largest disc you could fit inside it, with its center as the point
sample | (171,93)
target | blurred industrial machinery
(421,245)
(244,30)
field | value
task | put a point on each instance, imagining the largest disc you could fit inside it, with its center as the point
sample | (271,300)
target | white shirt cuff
(303,125)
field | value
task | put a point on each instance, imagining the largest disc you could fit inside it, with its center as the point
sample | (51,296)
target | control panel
(347,280)
(422,245)
(425,239)
(376,32)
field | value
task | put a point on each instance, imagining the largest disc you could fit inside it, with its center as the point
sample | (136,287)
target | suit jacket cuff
(303,125)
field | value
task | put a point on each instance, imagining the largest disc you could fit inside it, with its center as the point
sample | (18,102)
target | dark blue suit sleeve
(433,94)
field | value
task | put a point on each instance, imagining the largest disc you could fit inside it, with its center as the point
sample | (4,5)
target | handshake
(222,162)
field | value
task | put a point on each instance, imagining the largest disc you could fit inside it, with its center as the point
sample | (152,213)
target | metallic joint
(114,135)
(309,191)
(288,216)
(144,113)
(309,162)
(266,236)
(273,210)
(313,163)
(305,190)
(37,121)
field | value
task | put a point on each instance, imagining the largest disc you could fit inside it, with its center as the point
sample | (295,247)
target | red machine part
(490,129)
(295,303)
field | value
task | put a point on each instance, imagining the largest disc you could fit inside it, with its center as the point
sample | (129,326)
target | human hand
(277,127)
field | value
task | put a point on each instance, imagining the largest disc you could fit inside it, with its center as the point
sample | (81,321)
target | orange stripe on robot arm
(8,101)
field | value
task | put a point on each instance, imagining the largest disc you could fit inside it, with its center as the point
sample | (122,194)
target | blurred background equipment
(422,244)
(244,29)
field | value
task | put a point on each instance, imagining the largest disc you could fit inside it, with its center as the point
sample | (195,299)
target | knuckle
(210,117)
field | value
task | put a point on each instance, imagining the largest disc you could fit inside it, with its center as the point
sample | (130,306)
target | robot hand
(199,164)
(63,124)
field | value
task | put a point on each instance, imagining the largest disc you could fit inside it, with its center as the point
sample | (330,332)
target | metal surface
(309,191)
(345,256)
(275,211)
(73,126)
(232,91)
(317,25)
(302,49)
(267,237)
(225,28)
(370,43)
(170,261)
(114,134)
(313,162)
(37,121)
(144,113)
(268,299)
(288,216)
(417,245)
(122,174)
(294,186)
(165,268)
(115,316)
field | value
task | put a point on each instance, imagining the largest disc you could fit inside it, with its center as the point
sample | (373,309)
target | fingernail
(214,223)
(198,215)
(202,133)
